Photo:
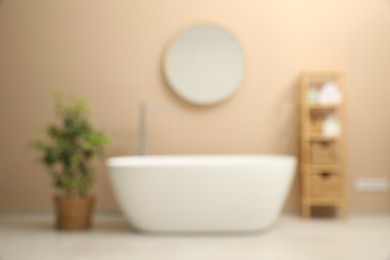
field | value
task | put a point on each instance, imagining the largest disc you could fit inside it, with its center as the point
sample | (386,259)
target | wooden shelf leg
(306,210)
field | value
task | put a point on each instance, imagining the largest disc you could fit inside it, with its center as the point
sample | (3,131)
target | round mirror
(204,65)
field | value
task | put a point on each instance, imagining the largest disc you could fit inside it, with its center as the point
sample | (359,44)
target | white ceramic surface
(201,193)
(204,65)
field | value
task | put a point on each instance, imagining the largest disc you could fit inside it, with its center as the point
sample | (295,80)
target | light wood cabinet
(322,141)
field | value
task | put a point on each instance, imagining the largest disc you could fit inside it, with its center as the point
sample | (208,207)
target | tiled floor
(31,236)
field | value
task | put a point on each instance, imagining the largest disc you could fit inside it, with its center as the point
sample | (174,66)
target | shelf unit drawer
(325,183)
(324,152)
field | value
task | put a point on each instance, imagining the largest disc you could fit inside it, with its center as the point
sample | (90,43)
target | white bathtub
(201,193)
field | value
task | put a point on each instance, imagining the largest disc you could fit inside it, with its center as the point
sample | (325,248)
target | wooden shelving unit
(322,157)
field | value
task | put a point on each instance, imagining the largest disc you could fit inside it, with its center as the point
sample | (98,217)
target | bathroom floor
(31,236)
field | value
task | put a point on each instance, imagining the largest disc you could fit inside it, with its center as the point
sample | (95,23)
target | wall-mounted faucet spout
(142,126)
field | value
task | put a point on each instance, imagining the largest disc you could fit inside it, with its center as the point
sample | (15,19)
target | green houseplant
(67,150)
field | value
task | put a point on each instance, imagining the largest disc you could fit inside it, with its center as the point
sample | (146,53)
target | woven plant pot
(74,213)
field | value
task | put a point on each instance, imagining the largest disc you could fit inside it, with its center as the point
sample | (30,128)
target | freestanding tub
(201,193)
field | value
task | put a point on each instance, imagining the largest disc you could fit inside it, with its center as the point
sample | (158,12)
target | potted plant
(67,151)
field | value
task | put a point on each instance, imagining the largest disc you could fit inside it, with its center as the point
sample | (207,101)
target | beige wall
(110,51)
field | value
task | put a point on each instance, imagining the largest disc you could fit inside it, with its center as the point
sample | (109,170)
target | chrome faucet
(142,127)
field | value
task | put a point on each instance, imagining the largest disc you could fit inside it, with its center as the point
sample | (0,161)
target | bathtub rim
(199,160)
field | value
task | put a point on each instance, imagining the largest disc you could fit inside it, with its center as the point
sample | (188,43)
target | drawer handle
(325,175)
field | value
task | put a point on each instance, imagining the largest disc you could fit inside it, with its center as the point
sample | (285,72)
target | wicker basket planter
(74,213)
